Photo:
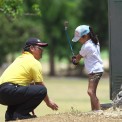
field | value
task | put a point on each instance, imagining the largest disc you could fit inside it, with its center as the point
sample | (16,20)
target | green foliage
(1,2)
(95,14)
(12,8)
(36,9)
(32,7)
(53,16)
(16,8)
(45,19)
(13,35)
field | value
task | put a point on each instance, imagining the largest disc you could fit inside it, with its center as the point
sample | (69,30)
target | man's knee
(43,91)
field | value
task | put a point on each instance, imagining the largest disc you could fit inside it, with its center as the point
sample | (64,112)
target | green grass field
(70,94)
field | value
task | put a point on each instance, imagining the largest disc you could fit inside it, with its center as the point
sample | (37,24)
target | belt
(95,73)
(8,83)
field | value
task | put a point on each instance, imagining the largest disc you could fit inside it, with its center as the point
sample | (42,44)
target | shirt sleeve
(85,51)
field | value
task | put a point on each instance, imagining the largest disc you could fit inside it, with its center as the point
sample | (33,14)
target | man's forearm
(46,99)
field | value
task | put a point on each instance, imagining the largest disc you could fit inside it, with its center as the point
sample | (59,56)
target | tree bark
(52,63)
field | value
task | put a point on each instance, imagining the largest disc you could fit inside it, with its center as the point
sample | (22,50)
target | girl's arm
(78,58)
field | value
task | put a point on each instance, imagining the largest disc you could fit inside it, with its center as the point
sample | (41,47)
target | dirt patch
(99,116)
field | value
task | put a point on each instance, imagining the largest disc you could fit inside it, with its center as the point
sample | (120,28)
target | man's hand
(74,60)
(49,102)
(52,105)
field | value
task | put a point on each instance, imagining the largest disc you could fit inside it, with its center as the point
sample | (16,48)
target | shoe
(17,116)
(100,111)
(34,116)
(8,116)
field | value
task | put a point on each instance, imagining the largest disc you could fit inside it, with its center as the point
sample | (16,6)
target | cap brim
(42,44)
(75,39)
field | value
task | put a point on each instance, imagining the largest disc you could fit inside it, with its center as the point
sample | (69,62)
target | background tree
(53,16)
(14,34)
(16,25)
(45,19)
(95,13)
(15,8)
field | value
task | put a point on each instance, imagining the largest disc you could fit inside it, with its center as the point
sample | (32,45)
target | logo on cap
(38,40)
(77,34)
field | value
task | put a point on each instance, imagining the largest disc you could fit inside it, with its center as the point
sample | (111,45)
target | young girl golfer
(90,51)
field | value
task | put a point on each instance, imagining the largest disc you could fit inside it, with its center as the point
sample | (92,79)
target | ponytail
(93,37)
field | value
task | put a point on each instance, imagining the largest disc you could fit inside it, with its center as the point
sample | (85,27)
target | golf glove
(74,60)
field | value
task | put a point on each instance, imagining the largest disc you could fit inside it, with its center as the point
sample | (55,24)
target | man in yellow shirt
(15,89)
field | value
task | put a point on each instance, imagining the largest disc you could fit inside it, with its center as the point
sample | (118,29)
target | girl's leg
(92,87)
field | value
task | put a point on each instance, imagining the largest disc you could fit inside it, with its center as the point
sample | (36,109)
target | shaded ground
(100,116)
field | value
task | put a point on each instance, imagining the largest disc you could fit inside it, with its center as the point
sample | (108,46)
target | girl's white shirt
(92,59)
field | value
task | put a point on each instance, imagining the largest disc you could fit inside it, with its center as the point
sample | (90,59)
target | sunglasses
(40,48)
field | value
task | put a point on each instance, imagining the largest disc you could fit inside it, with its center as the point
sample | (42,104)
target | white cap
(80,31)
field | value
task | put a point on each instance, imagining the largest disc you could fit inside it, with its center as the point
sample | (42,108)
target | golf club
(68,39)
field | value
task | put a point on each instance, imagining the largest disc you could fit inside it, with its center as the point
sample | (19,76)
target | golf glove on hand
(74,60)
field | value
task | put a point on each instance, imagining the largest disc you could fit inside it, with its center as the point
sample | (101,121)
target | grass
(70,94)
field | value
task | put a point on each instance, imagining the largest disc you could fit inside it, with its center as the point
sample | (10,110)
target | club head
(66,24)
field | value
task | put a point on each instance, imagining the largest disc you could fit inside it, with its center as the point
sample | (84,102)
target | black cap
(35,41)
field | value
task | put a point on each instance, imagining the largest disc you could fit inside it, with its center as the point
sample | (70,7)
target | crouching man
(15,89)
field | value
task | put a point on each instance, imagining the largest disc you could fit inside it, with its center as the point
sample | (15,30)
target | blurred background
(44,19)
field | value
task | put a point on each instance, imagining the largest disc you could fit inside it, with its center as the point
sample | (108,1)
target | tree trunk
(52,63)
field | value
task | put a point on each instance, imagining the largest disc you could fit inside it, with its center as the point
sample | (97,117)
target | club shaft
(68,39)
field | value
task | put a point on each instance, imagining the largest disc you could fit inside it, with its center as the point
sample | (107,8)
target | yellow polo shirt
(23,71)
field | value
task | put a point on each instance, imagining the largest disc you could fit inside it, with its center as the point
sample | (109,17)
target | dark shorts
(95,76)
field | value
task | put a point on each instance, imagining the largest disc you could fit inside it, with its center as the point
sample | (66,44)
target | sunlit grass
(72,92)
